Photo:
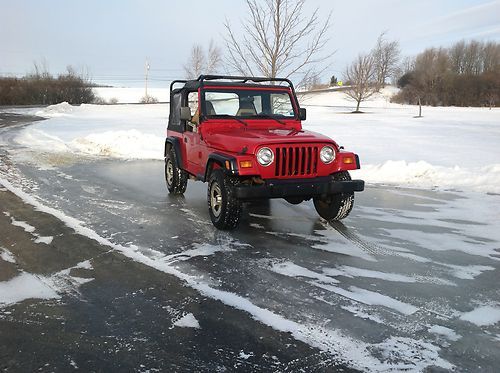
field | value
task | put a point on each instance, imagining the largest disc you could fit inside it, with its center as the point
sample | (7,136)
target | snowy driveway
(409,281)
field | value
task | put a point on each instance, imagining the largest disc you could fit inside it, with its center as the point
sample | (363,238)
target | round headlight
(265,156)
(327,154)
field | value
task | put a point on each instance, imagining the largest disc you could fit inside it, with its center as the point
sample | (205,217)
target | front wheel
(175,177)
(335,206)
(223,206)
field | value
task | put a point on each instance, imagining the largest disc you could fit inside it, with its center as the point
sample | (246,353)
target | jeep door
(192,139)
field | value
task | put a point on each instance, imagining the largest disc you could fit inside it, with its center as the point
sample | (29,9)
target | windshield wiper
(271,117)
(230,117)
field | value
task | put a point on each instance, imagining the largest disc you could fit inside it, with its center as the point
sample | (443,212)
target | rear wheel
(224,208)
(335,206)
(175,177)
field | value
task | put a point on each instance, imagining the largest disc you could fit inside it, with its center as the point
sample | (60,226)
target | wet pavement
(408,281)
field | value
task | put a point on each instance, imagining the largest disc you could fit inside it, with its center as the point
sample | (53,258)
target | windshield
(247,103)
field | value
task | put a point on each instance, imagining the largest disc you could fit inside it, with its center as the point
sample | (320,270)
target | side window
(281,104)
(174,120)
(193,102)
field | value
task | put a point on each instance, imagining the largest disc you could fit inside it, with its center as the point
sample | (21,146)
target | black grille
(296,161)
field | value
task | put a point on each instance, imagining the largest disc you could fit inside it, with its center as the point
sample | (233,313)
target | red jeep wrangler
(244,136)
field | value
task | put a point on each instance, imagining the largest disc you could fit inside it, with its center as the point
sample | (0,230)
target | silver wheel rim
(215,200)
(170,172)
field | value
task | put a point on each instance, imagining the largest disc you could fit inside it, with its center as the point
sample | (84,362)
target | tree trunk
(357,106)
(419,108)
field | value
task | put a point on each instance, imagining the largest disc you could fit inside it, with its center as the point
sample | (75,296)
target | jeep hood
(234,140)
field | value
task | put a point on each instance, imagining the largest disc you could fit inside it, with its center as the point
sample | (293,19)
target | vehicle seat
(246,108)
(209,108)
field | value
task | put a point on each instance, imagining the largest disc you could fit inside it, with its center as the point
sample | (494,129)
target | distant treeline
(466,74)
(42,88)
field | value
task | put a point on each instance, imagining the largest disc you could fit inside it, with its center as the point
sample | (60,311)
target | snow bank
(58,110)
(424,174)
(120,144)
(449,148)
(124,131)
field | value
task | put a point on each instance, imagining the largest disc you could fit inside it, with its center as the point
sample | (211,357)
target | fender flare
(221,159)
(174,143)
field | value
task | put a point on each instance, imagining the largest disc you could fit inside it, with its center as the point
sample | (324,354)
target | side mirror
(185,113)
(302,114)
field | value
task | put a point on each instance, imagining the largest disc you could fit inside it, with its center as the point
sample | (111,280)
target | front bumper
(298,188)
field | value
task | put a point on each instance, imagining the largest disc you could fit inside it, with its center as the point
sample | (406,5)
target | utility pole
(147,73)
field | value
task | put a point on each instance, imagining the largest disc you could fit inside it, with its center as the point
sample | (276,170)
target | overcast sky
(113,38)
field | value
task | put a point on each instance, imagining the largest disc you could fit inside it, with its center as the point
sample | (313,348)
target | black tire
(294,200)
(175,177)
(335,206)
(224,208)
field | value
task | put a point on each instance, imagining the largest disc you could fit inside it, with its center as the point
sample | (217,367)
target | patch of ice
(44,239)
(6,255)
(203,249)
(360,272)
(325,282)
(85,265)
(445,242)
(371,298)
(293,270)
(78,281)
(244,355)
(467,272)
(187,321)
(30,229)
(410,355)
(359,312)
(444,331)
(482,316)
(25,286)
(256,225)
(27,228)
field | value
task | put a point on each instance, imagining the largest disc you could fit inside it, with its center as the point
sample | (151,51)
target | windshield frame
(235,89)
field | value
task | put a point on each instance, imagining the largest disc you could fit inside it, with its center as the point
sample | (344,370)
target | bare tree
(362,79)
(491,57)
(214,58)
(196,63)
(386,55)
(457,57)
(201,62)
(278,40)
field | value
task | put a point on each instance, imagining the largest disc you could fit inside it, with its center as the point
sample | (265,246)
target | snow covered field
(131,95)
(449,148)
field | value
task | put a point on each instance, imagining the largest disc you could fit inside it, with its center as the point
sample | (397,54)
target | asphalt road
(387,288)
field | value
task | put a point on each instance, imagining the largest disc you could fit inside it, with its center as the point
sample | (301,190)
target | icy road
(408,282)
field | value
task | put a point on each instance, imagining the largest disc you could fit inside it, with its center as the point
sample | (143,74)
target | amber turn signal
(246,164)
(348,160)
